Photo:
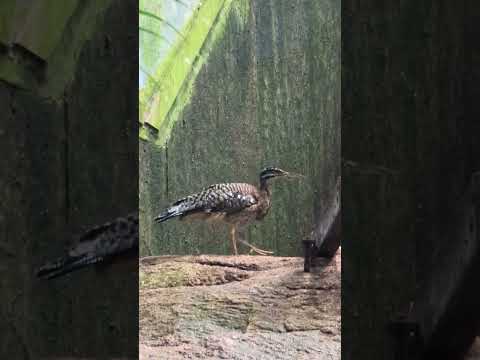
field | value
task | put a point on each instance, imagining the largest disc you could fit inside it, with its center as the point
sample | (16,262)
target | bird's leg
(234,240)
(255,249)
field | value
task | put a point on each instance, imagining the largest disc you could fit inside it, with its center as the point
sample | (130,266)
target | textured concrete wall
(268,93)
(70,161)
(409,156)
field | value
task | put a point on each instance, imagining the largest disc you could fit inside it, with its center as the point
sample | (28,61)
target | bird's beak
(293,175)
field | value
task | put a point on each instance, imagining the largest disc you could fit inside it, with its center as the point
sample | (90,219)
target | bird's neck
(265,190)
(264,186)
(265,202)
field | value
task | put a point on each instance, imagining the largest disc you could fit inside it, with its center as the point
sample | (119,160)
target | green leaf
(148,75)
(156,17)
(154,34)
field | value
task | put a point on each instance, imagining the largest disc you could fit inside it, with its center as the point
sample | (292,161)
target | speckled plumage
(98,244)
(234,203)
(231,202)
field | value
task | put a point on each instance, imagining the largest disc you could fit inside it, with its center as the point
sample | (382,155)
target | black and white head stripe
(271,172)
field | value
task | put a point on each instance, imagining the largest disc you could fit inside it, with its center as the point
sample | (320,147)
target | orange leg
(234,240)
(255,249)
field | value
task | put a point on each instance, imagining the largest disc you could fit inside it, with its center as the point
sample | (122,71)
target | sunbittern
(237,204)
(101,244)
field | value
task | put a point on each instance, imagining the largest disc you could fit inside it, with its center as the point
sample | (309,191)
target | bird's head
(272,172)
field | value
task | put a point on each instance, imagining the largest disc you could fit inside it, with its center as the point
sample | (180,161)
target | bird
(236,204)
(100,244)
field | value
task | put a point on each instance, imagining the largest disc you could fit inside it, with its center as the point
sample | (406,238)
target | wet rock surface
(244,307)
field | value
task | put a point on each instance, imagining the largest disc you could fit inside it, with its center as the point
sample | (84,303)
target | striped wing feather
(229,198)
(216,201)
(100,243)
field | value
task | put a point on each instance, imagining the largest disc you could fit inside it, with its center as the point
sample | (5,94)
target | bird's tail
(99,244)
(67,264)
(169,213)
(180,208)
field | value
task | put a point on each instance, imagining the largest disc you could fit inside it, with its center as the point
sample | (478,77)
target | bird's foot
(255,249)
(262,252)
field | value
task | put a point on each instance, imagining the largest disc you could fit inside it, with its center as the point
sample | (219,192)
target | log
(327,232)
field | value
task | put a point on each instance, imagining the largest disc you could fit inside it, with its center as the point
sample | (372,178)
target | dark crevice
(328,287)
(13,109)
(66,126)
(247,267)
(324,331)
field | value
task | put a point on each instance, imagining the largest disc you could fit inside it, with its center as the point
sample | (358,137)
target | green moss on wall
(268,93)
(168,93)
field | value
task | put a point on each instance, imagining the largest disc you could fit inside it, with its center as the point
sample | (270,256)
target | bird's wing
(228,198)
(96,245)
(218,198)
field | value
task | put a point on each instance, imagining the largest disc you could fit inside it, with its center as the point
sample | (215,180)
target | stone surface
(245,307)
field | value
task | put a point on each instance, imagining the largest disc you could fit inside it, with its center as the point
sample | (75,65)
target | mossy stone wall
(267,94)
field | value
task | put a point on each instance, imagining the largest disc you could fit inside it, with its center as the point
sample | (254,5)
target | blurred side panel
(410,153)
(69,145)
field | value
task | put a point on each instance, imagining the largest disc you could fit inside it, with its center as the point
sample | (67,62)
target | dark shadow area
(409,147)
(69,145)
(460,324)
